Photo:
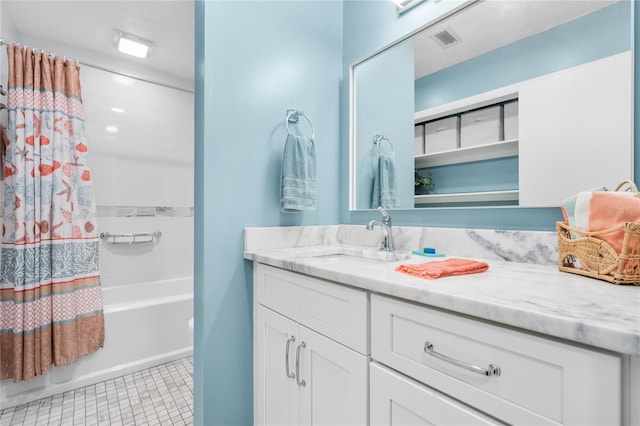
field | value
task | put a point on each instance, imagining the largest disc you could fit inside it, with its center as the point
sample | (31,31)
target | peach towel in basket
(444,268)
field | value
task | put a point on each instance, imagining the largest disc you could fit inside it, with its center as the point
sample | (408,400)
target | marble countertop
(532,297)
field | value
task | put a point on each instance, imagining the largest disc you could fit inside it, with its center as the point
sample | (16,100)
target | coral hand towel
(444,268)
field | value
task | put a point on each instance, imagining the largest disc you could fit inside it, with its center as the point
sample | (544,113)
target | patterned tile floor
(161,395)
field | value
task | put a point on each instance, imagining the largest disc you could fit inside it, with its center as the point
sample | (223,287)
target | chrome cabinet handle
(493,370)
(286,358)
(298,381)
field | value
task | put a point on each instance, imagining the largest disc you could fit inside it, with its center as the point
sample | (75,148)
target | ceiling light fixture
(132,45)
(404,5)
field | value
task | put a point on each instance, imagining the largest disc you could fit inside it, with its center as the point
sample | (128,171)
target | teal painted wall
(254,60)
(635,18)
(384,27)
(384,96)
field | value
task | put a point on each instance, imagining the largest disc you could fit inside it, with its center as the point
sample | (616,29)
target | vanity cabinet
(327,353)
(311,363)
(516,377)
(399,400)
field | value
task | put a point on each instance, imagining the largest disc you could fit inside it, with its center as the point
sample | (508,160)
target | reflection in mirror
(503,103)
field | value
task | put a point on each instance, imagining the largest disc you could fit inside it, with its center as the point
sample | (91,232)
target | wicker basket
(585,253)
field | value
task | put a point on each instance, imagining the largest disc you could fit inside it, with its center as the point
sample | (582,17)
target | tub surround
(523,287)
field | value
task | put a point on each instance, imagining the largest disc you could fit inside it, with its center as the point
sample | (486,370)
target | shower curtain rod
(4,42)
(7,43)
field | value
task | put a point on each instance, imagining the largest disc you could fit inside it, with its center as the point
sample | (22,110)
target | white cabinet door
(275,393)
(398,400)
(302,377)
(336,382)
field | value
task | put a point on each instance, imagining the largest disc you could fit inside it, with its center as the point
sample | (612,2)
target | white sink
(367,255)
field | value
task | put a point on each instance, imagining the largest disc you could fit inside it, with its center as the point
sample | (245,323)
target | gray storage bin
(511,121)
(441,135)
(481,126)
(419,140)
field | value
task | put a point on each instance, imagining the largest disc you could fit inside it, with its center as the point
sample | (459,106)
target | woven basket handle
(627,186)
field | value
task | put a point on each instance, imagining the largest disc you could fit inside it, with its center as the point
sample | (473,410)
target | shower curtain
(50,296)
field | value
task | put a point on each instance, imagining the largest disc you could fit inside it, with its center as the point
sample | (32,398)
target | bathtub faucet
(385,226)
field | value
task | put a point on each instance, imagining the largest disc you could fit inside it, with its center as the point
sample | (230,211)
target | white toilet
(191,331)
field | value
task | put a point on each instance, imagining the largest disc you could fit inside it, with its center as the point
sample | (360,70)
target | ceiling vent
(446,38)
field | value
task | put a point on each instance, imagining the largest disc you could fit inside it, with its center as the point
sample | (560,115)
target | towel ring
(293,116)
(377,141)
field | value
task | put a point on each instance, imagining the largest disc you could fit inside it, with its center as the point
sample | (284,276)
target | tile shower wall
(141,144)
(140,138)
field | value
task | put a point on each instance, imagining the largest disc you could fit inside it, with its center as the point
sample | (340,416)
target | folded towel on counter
(568,208)
(299,186)
(444,268)
(597,211)
(385,193)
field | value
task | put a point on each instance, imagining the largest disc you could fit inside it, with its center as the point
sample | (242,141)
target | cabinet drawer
(338,312)
(398,400)
(541,381)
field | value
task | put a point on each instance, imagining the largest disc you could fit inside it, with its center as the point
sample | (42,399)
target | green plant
(421,181)
(424,184)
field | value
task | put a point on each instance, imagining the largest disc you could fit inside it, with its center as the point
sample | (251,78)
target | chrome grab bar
(286,358)
(130,238)
(298,381)
(493,370)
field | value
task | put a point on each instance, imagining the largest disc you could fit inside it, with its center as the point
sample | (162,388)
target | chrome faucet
(385,225)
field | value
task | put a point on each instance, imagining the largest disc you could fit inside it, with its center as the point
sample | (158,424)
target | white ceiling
(89,25)
(491,24)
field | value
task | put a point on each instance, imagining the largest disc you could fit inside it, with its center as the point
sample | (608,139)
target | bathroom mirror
(558,74)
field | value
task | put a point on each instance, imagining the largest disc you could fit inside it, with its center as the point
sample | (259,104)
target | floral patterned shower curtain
(50,296)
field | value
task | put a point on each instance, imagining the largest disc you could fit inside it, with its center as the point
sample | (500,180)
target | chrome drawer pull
(298,381)
(286,358)
(493,370)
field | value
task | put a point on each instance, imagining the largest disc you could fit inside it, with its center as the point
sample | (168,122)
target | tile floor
(161,395)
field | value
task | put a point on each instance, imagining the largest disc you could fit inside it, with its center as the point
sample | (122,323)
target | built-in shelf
(465,155)
(468,197)
(502,94)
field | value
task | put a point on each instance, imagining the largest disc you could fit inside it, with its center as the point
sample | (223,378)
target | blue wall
(254,60)
(635,18)
(384,27)
(384,96)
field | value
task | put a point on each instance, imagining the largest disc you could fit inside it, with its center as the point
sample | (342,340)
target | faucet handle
(385,216)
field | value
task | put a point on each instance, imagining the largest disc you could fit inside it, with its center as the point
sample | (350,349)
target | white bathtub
(145,325)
